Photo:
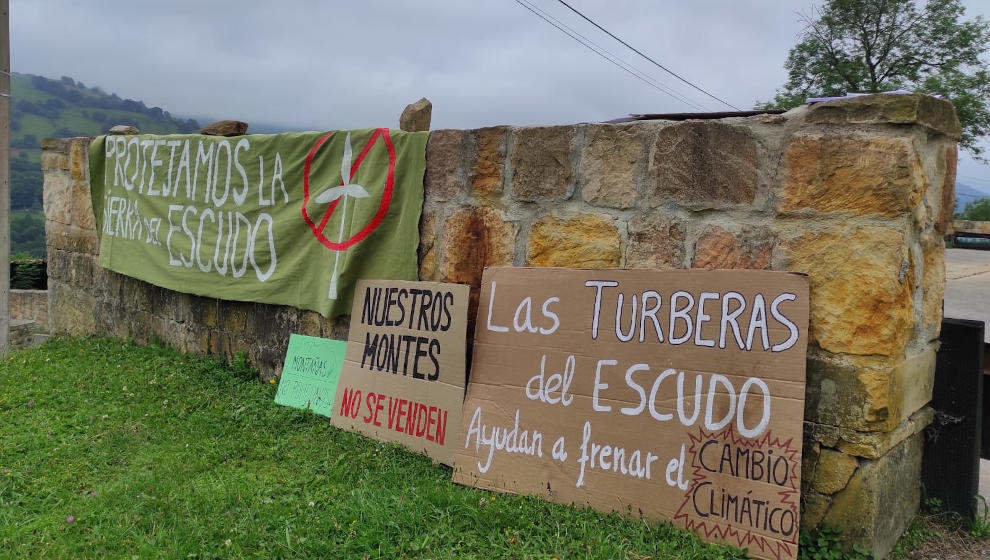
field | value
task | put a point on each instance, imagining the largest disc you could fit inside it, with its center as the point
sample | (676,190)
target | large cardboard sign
(310,373)
(403,375)
(676,395)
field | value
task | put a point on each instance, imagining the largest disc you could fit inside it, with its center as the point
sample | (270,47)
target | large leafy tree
(977,210)
(882,45)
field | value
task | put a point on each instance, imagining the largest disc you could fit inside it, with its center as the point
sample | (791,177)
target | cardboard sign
(403,377)
(309,376)
(676,395)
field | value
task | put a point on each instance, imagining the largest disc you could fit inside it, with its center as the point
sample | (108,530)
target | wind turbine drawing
(345,190)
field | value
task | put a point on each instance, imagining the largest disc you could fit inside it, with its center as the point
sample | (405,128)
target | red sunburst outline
(745,538)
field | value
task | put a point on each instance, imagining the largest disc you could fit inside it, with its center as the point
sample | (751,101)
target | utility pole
(4,175)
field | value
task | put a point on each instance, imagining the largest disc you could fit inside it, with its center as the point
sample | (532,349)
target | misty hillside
(42,108)
(966,193)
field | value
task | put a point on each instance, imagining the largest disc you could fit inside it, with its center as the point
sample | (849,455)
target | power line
(604,54)
(656,83)
(637,51)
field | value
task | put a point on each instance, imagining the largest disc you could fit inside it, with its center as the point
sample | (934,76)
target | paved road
(967,290)
(967,296)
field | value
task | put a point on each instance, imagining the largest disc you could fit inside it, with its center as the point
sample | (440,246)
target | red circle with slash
(376,220)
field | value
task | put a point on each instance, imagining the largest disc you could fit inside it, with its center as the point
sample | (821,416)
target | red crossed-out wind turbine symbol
(338,195)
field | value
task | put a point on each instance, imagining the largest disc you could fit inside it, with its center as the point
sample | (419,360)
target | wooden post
(4,175)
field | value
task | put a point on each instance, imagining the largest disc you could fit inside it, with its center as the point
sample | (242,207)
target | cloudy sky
(316,64)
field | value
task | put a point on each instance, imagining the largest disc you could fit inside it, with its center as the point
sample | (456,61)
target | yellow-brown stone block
(486,173)
(933,284)
(833,471)
(855,175)
(79,158)
(947,196)
(861,288)
(867,393)
(585,241)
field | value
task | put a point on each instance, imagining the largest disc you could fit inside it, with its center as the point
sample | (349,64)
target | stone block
(196,340)
(583,241)
(183,311)
(870,445)
(57,197)
(861,288)
(833,471)
(71,238)
(206,311)
(472,239)
(867,393)
(655,241)
(444,177)
(235,316)
(609,164)
(718,248)
(486,175)
(309,323)
(82,206)
(163,301)
(81,272)
(225,128)
(704,164)
(880,176)
(101,282)
(416,116)
(72,310)
(947,194)
(427,239)
(59,265)
(54,161)
(877,504)
(122,130)
(79,158)
(932,284)
(813,508)
(541,163)
(930,112)
(60,145)
(274,323)
(136,294)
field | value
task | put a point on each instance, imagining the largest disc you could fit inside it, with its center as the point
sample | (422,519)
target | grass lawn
(109,450)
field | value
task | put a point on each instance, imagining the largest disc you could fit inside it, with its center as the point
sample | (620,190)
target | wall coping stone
(931,112)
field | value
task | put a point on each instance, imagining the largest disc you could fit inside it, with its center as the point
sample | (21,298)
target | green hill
(41,108)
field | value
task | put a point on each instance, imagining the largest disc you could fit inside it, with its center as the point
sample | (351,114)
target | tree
(977,210)
(874,46)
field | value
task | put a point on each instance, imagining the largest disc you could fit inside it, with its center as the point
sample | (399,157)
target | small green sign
(310,374)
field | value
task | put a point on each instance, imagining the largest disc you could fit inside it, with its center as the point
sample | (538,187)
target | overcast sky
(316,64)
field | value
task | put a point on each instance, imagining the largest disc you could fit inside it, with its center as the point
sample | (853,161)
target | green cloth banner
(292,219)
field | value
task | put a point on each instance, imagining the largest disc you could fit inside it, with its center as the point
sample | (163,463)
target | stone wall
(970,226)
(29,305)
(855,193)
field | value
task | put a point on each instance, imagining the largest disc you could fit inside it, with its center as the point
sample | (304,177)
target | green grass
(109,450)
